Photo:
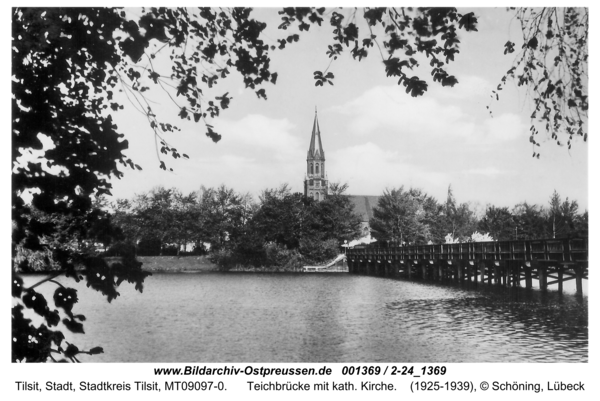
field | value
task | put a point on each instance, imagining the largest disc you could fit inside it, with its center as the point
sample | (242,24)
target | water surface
(245,317)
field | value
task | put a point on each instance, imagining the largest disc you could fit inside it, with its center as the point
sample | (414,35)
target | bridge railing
(560,250)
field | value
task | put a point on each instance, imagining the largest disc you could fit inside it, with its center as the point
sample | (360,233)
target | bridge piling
(469,271)
(579,280)
(514,272)
(482,272)
(543,278)
(460,270)
(559,274)
(528,280)
(496,272)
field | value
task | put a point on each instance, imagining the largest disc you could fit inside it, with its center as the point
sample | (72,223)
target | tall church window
(311,168)
(322,170)
(317,168)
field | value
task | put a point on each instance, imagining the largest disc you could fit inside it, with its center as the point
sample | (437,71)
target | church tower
(315,179)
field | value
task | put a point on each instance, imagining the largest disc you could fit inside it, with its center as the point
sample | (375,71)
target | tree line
(286,229)
(280,229)
(412,217)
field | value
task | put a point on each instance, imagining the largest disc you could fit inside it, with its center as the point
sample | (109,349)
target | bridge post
(559,273)
(406,269)
(460,270)
(528,281)
(470,271)
(424,270)
(497,278)
(542,276)
(482,271)
(455,270)
(579,279)
(514,272)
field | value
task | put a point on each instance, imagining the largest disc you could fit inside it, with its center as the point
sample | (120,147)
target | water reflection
(512,324)
(330,318)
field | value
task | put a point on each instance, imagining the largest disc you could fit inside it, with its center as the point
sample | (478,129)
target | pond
(337,317)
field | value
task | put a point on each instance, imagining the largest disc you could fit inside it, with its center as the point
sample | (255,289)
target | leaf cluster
(403,34)
(553,65)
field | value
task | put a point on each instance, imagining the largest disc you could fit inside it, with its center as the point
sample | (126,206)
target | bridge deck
(500,262)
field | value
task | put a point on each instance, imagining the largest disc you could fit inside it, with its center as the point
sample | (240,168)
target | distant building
(316,184)
(363,206)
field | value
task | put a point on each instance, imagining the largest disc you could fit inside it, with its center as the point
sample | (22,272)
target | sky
(375,136)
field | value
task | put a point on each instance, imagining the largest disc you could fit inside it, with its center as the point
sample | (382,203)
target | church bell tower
(315,179)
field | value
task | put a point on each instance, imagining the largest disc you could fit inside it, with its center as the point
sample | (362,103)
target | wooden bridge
(508,263)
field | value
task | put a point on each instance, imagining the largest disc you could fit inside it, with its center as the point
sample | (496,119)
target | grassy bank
(174,264)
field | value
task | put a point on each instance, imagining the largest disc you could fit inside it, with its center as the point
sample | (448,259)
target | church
(315,180)
(316,183)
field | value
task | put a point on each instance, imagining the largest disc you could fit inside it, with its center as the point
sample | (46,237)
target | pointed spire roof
(316,147)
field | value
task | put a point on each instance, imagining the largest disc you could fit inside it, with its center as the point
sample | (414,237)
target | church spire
(316,185)
(316,147)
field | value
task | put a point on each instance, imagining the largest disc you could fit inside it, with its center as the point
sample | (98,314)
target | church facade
(316,184)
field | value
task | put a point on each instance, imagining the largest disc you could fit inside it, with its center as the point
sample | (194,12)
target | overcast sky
(375,136)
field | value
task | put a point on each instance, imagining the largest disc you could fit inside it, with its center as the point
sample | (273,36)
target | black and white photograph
(284,185)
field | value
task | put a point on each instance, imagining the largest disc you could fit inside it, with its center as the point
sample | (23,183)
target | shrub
(121,248)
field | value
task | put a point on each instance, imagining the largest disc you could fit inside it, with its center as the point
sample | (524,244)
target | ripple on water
(328,318)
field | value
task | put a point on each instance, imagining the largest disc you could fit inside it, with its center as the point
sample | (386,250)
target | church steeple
(316,147)
(315,181)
